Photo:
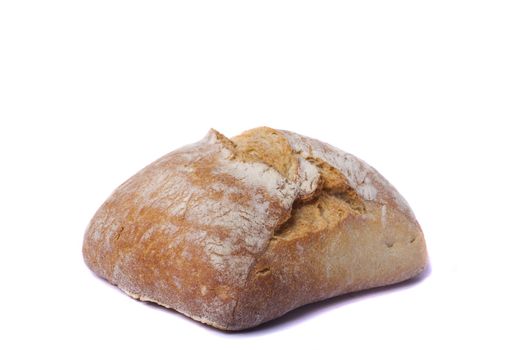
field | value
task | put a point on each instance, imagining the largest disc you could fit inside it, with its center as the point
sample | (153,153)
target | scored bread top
(187,229)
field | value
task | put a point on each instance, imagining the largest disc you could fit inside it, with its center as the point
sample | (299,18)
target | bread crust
(234,233)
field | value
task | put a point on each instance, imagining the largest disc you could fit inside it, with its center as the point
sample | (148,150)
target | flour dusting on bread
(196,230)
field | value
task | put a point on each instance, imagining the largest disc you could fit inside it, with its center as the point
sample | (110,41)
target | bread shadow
(305,312)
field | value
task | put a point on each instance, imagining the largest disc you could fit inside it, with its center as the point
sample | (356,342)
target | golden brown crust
(236,232)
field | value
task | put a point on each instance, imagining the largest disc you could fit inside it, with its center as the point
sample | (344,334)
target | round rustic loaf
(234,233)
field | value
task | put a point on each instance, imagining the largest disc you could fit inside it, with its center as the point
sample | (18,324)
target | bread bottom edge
(418,274)
(193,317)
(233,328)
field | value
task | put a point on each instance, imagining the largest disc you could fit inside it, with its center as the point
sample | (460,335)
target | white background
(432,94)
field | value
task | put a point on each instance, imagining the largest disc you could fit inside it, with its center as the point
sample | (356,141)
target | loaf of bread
(236,232)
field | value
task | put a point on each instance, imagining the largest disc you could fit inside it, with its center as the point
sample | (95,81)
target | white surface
(432,94)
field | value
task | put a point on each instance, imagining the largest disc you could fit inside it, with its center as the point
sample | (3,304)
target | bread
(234,233)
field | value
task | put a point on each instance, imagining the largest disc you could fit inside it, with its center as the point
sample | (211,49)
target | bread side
(236,232)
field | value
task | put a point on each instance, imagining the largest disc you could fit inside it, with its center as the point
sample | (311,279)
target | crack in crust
(333,200)
(332,190)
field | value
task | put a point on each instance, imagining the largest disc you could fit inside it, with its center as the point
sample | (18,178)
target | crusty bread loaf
(234,233)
